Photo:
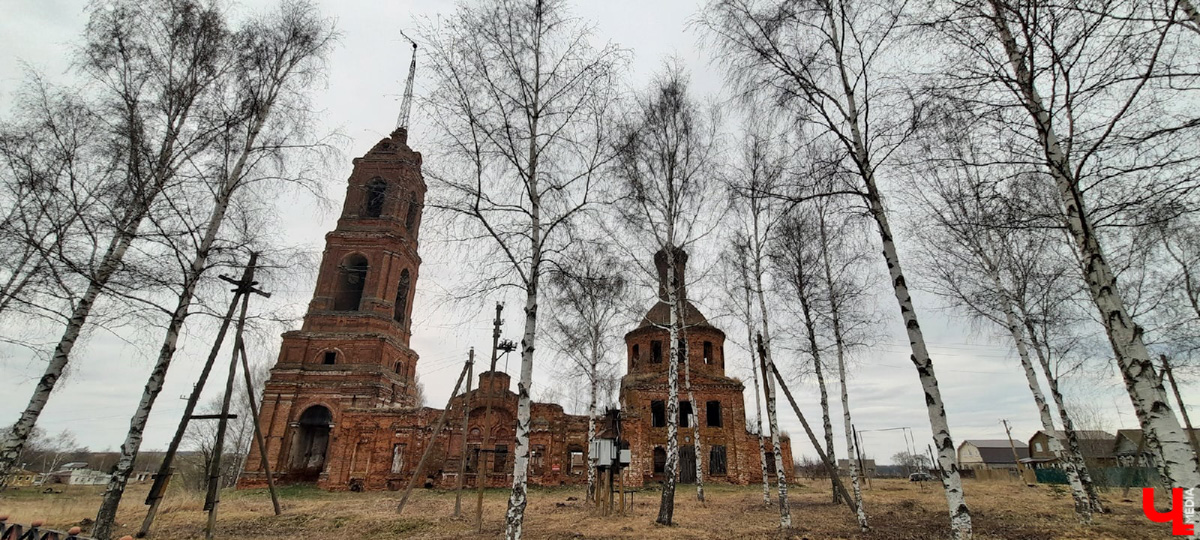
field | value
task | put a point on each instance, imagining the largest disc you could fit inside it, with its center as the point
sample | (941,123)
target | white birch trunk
(762,450)
(133,439)
(666,506)
(1083,506)
(814,349)
(518,499)
(1074,450)
(1179,465)
(839,343)
(687,383)
(960,514)
(1192,13)
(107,513)
(785,513)
(591,489)
(14,444)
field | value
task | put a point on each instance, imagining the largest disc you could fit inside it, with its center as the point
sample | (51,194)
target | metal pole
(158,488)
(258,436)
(437,430)
(481,467)
(462,460)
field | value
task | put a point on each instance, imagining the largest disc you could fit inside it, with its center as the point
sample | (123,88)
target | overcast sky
(980,378)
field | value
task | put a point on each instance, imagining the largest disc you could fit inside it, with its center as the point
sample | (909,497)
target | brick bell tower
(352,350)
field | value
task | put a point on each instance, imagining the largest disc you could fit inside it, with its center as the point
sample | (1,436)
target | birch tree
(522,103)
(53,179)
(796,259)
(833,64)
(1113,142)
(845,291)
(979,251)
(762,170)
(274,58)
(587,298)
(738,252)
(666,166)
(153,67)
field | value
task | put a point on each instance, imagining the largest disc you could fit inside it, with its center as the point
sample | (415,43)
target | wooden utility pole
(437,430)
(1187,422)
(1013,446)
(812,437)
(166,469)
(213,498)
(858,454)
(488,397)
(258,436)
(462,460)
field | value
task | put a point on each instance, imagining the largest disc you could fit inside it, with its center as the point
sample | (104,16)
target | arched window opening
(634,359)
(708,353)
(376,195)
(398,366)
(330,358)
(352,277)
(411,218)
(660,460)
(402,296)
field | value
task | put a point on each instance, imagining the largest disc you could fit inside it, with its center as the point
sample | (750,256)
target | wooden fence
(16,531)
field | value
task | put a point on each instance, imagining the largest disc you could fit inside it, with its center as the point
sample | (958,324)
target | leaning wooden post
(213,499)
(437,429)
(462,461)
(829,468)
(258,436)
(165,469)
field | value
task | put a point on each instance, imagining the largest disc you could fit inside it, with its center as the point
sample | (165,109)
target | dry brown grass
(898,510)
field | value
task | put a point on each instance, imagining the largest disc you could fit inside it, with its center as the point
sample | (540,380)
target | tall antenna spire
(406,103)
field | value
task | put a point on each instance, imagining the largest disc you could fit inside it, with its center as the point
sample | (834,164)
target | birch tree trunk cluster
(586,299)
(666,163)
(521,107)
(171,133)
(1014,168)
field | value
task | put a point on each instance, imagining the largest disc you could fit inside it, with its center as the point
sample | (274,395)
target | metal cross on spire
(406,103)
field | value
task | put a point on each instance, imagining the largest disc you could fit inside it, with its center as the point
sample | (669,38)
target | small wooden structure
(610,456)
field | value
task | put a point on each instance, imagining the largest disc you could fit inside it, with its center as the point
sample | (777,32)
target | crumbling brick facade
(727,451)
(339,407)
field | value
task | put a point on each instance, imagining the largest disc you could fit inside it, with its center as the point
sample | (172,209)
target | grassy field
(898,510)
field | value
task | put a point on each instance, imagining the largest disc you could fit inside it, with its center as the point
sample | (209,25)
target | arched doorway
(312,442)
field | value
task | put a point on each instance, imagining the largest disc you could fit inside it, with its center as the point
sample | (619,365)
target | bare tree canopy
(521,114)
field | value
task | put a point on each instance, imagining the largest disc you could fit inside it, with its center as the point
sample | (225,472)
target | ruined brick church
(340,407)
